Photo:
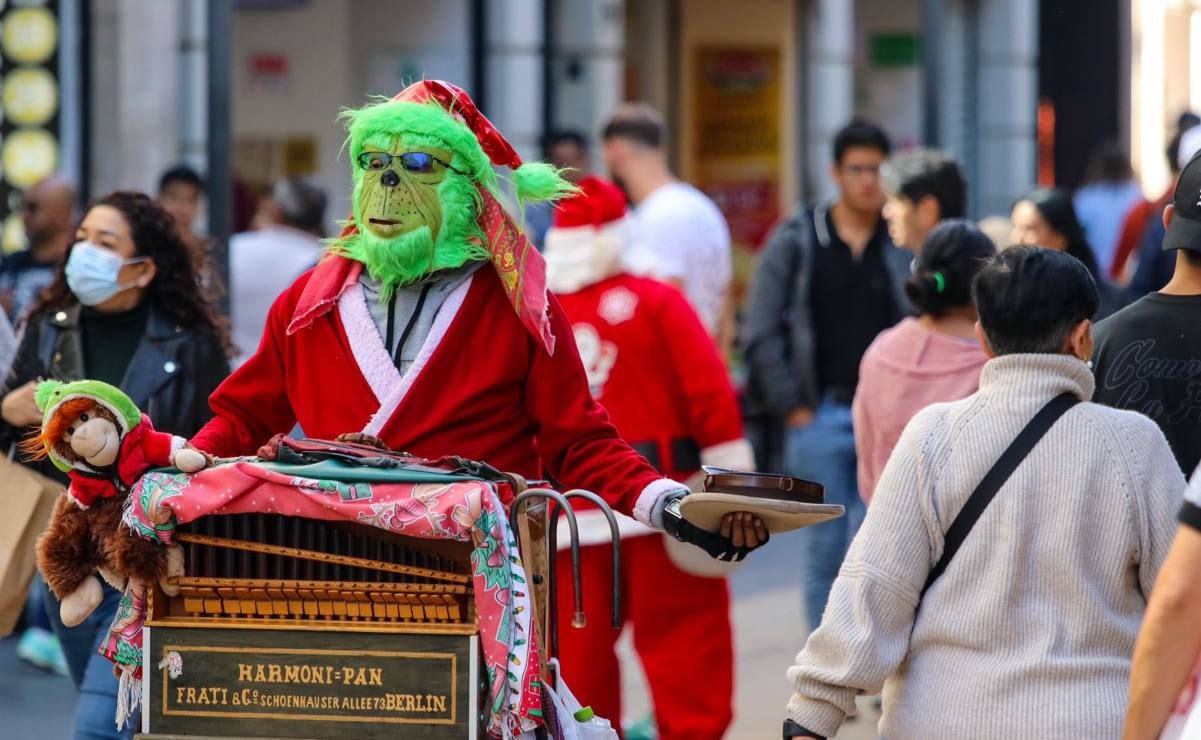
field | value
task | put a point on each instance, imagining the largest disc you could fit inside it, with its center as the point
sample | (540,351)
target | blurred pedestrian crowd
(894,352)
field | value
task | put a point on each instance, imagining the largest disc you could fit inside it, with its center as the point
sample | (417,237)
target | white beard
(580,256)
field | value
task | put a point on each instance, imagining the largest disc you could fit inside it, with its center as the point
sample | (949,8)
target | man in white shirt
(680,235)
(285,242)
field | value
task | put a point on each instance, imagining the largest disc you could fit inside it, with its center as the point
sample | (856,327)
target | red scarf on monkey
(65,425)
(142,448)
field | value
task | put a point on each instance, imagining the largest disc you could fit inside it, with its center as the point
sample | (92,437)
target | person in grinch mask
(428,326)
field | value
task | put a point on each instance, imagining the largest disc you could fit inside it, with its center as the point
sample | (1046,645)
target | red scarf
(521,269)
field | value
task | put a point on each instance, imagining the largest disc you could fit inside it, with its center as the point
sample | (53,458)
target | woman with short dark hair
(1045,217)
(1027,631)
(932,357)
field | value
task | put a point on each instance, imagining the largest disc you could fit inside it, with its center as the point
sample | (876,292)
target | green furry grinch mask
(420,178)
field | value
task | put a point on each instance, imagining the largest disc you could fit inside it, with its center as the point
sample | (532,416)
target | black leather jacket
(170,376)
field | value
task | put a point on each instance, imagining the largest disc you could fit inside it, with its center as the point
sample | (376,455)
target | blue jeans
(35,606)
(96,712)
(824,452)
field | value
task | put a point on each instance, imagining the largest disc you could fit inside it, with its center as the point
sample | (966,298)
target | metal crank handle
(615,532)
(578,619)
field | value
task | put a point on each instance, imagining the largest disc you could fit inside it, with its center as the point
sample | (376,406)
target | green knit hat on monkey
(95,434)
(51,395)
(426,197)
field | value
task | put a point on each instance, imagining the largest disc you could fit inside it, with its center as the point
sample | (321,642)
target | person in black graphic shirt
(1148,355)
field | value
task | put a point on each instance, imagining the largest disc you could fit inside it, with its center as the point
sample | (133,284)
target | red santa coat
(652,365)
(656,370)
(481,387)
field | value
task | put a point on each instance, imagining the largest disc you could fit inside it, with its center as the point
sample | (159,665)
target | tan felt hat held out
(783,503)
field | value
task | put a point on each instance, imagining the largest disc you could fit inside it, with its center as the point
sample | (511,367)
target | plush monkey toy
(96,435)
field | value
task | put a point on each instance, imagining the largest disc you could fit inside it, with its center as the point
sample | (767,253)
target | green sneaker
(41,648)
(643,729)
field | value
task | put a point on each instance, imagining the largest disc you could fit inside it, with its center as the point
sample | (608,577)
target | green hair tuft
(539,181)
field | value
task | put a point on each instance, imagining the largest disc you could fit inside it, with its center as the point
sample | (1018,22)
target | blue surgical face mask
(93,273)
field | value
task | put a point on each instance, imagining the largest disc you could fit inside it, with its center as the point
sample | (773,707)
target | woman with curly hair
(125,308)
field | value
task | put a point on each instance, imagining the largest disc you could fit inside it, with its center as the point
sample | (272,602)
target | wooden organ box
(286,627)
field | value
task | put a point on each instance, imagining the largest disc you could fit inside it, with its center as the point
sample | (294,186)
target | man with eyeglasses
(829,280)
(46,209)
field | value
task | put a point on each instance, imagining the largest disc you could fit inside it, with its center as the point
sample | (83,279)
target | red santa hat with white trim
(588,236)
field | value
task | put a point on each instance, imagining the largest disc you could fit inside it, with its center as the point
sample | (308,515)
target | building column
(829,83)
(193,84)
(588,65)
(957,101)
(1008,98)
(513,72)
(134,118)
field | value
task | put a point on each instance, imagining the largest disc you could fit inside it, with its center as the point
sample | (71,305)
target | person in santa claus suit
(656,370)
(428,327)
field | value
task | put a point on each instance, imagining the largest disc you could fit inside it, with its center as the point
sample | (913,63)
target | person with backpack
(997,584)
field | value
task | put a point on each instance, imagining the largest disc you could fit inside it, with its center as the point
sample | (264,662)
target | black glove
(719,547)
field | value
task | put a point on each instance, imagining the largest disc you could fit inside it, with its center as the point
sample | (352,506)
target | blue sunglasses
(419,163)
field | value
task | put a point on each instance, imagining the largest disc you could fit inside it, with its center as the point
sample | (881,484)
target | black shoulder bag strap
(996,477)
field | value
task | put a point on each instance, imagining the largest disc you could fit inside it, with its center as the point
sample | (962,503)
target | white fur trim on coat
(594,529)
(579,256)
(644,507)
(388,385)
(366,345)
(736,454)
(441,324)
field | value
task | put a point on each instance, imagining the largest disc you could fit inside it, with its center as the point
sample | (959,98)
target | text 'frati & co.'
(309,675)
(191,696)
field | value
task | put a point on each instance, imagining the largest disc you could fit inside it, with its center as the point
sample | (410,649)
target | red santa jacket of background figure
(652,365)
(656,370)
(487,391)
(142,449)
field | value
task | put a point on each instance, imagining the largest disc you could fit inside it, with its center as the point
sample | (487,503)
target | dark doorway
(1079,74)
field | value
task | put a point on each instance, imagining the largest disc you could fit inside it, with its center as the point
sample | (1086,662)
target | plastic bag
(566,707)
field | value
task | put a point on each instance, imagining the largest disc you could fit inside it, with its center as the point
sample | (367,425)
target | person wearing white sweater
(1029,631)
